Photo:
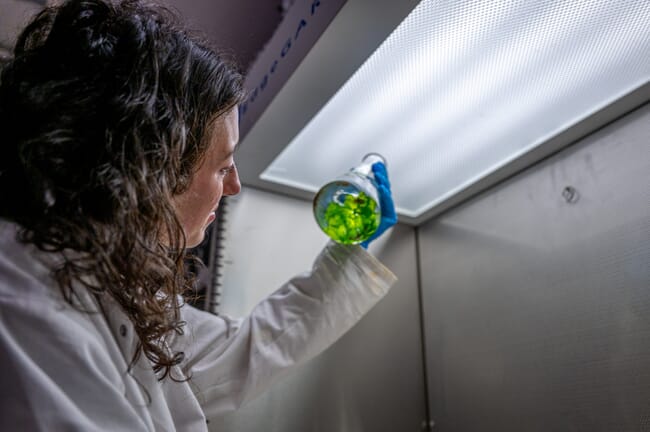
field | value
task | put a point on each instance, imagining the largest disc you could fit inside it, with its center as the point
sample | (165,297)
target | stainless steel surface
(565,138)
(372,378)
(537,294)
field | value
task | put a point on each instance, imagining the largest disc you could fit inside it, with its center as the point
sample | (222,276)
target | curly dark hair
(104,111)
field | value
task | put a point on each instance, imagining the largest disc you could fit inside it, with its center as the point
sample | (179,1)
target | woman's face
(216,176)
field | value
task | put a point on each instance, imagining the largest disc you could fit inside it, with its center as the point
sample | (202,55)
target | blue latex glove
(388,215)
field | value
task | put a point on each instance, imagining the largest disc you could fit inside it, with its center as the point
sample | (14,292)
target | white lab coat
(66,370)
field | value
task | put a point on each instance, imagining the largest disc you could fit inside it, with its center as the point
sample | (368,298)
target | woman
(118,134)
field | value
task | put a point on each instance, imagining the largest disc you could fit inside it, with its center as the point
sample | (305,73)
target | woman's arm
(231,361)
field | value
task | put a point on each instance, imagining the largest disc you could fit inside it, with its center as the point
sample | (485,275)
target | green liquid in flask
(351,220)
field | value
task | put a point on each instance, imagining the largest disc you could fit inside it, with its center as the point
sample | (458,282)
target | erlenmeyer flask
(347,209)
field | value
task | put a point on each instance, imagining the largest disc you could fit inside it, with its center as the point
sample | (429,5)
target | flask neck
(365,167)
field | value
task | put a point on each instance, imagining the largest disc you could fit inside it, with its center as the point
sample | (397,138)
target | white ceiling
(240,27)
(14,14)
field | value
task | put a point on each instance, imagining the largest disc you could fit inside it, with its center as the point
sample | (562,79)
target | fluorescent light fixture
(460,89)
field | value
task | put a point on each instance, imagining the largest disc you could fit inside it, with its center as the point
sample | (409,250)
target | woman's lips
(211,218)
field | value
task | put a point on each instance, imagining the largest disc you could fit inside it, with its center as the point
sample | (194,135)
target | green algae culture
(351,218)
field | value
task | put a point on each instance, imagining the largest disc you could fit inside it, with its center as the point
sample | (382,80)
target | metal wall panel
(371,379)
(536,294)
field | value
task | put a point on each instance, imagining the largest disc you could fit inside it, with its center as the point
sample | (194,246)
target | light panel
(460,89)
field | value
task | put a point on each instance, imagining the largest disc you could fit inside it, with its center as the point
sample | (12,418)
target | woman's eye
(225,171)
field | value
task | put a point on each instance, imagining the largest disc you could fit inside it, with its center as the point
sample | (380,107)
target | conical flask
(347,209)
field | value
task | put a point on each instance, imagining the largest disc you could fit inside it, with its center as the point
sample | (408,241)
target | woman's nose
(232,186)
